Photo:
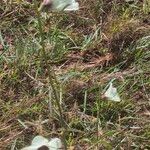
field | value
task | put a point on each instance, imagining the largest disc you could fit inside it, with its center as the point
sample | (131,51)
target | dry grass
(87,49)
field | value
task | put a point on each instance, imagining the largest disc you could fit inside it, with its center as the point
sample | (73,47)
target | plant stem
(50,76)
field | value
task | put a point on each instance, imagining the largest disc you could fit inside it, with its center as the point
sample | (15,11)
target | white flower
(59,5)
(41,142)
(111,94)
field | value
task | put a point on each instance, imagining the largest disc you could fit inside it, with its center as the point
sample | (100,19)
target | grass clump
(104,40)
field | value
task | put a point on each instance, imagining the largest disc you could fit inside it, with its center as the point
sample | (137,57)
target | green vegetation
(59,93)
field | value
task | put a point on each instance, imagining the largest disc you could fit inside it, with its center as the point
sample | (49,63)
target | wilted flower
(41,143)
(111,94)
(59,5)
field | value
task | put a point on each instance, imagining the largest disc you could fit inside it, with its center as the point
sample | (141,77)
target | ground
(105,40)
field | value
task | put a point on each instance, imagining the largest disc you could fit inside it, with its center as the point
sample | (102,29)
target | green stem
(50,76)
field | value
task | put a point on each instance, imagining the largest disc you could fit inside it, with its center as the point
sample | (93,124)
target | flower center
(43,148)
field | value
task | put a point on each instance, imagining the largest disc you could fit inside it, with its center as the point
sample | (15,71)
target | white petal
(59,5)
(72,7)
(111,94)
(55,144)
(30,148)
(39,141)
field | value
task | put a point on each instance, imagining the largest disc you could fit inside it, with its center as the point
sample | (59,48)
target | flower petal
(39,141)
(59,5)
(55,144)
(72,7)
(30,148)
(111,94)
